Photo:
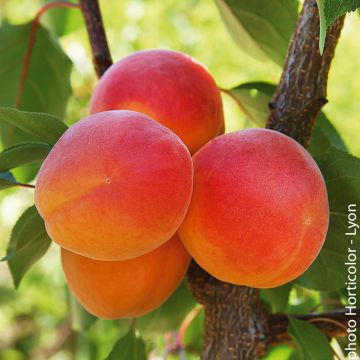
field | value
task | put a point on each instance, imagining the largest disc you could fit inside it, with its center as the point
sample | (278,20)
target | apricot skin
(259,212)
(130,288)
(115,186)
(168,86)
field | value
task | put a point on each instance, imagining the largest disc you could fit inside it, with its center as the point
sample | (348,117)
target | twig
(96,32)
(326,302)
(332,323)
(185,325)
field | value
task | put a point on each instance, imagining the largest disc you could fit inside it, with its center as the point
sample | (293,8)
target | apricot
(129,288)
(168,86)
(115,186)
(259,212)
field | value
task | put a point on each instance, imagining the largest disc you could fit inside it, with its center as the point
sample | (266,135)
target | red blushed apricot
(115,186)
(130,288)
(259,211)
(168,86)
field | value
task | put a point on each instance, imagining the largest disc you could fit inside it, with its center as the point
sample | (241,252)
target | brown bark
(96,32)
(236,323)
(235,319)
(302,89)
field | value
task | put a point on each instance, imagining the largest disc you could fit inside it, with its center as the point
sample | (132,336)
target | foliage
(29,128)
(130,346)
(28,242)
(311,343)
(330,10)
(262,29)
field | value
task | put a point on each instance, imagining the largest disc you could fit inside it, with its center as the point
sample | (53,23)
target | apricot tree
(115,187)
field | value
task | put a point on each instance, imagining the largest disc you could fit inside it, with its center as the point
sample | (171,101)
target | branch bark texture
(302,89)
(235,319)
(236,324)
(96,32)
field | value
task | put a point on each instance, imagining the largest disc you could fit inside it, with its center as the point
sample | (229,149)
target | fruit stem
(26,185)
(133,324)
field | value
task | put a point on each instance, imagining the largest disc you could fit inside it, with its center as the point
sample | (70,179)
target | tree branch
(236,324)
(333,323)
(235,319)
(301,92)
(96,32)
(299,98)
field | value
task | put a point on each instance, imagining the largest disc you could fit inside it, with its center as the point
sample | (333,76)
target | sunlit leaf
(23,153)
(47,86)
(342,176)
(131,346)
(42,126)
(329,11)
(261,28)
(28,243)
(311,343)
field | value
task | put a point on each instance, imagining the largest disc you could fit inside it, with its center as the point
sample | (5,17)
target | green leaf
(282,352)
(302,300)
(323,25)
(329,11)
(170,315)
(28,243)
(129,347)
(277,297)
(341,172)
(327,272)
(194,334)
(311,343)
(324,136)
(23,153)
(47,87)
(45,127)
(253,99)
(7,180)
(62,21)
(261,28)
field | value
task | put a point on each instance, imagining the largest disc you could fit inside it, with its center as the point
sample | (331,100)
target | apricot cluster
(122,196)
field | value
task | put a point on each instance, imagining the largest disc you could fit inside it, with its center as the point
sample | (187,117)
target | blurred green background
(34,320)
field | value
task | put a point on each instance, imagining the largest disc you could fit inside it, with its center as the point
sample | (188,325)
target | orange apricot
(129,288)
(170,87)
(115,186)
(259,212)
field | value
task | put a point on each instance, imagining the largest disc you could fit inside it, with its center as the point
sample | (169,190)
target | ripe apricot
(129,288)
(259,211)
(168,86)
(115,186)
